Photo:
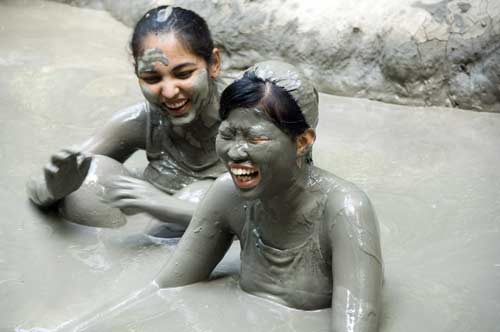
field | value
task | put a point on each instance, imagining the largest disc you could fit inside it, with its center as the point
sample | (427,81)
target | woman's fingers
(84,164)
(130,183)
(122,185)
(72,150)
(115,195)
(50,170)
(128,179)
(62,157)
(124,203)
(70,155)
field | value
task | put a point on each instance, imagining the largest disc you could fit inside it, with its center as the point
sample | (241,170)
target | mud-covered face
(260,157)
(174,79)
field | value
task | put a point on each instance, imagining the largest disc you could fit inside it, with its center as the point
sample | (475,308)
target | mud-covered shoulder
(348,207)
(134,115)
(121,135)
(130,124)
(223,203)
(336,188)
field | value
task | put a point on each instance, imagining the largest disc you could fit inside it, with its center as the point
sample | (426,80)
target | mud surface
(431,173)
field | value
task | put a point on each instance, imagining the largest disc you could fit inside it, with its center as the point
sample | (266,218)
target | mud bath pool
(432,174)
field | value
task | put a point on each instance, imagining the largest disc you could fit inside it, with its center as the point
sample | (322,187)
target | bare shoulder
(224,188)
(342,195)
(223,202)
(123,134)
(349,210)
(135,115)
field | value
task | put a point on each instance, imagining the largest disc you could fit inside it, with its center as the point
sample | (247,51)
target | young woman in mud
(177,67)
(309,240)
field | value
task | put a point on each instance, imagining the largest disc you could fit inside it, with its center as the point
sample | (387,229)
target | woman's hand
(66,172)
(129,194)
(133,195)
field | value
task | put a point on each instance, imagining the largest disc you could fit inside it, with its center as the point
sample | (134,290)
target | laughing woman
(309,240)
(177,68)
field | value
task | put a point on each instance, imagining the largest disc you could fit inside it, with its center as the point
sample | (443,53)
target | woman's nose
(169,89)
(238,152)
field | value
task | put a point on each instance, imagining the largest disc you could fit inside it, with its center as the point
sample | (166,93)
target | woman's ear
(305,141)
(215,64)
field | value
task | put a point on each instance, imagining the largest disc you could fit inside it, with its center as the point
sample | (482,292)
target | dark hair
(279,105)
(190,29)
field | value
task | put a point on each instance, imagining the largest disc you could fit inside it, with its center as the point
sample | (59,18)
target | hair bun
(295,82)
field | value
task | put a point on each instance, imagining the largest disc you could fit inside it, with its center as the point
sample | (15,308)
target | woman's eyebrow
(256,131)
(183,65)
(148,71)
(227,128)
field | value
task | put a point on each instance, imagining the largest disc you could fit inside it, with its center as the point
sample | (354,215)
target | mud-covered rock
(408,52)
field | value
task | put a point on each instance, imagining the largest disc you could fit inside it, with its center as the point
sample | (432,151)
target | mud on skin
(147,61)
(309,240)
(180,149)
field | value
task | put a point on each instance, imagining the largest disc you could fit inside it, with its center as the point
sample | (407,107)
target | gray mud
(432,175)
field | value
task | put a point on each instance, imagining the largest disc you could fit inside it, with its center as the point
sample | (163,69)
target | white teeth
(241,171)
(177,105)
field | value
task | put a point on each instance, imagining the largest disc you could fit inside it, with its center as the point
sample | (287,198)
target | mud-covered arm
(206,239)
(203,245)
(119,138)
(356,263)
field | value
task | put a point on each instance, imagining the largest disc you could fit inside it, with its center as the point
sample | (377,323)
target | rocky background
(444,53)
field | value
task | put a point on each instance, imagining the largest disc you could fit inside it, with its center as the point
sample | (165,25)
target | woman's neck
(288,210)
(203,126)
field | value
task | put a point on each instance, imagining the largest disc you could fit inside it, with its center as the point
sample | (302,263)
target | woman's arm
(67,169)
(207,238)
(356,263)
(131,194)
(121,136)
(203,245)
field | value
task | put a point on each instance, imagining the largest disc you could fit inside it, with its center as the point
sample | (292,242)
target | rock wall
(399,51)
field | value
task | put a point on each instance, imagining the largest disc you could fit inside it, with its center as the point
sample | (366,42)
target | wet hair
(275,102)
(189,28)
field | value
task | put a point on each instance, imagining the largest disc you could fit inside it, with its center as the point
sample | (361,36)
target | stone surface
(399,51)
(432,174)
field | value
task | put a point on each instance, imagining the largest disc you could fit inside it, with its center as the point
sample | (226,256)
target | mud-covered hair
(276,103)
(189,28)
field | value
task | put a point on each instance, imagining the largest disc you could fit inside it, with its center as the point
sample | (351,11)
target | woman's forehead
(245,114)
(247,117)
(168,43)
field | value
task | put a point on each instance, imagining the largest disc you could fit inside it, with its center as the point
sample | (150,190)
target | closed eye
(258,139)
(151,79)
(226,134)
(184,74)
(184,70)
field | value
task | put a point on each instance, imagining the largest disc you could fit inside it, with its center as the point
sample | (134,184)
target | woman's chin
(178,112)
(247,188)
(181,119)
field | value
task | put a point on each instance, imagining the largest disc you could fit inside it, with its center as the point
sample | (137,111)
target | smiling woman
(177,68)
(309,239)
(243,138)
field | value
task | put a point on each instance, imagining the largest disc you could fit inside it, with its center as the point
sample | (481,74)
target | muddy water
(432,175)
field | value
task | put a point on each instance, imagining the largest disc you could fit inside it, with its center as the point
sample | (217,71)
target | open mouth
(244,175)
(177,108)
